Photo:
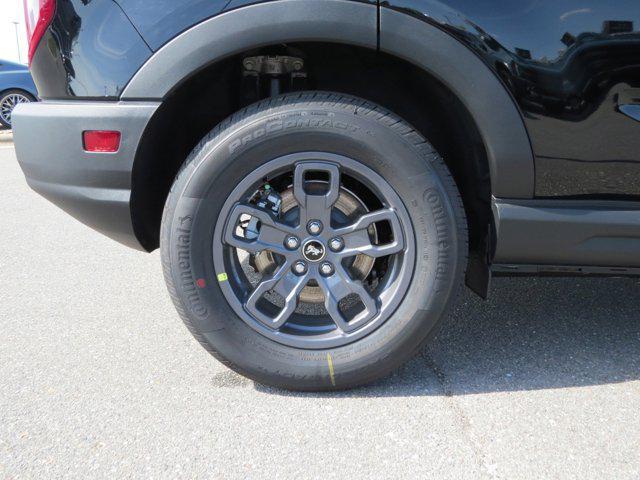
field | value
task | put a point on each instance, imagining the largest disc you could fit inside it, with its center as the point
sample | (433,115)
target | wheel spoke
(316,207)
(270,237)
(337,287)
(357,241)
(286,284)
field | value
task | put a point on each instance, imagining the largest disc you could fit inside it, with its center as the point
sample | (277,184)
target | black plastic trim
(567,232)
(280,21)
(95,188)
(494,111)
(563,270)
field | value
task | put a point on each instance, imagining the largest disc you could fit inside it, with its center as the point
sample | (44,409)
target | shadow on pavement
(533,333)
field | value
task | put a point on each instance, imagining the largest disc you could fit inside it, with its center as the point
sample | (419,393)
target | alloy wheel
(8,103)
(360,260)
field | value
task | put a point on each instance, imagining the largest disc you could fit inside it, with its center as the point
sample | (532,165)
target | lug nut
(326,269)
(291,242)
(336,244)
(299,267)
(314,227)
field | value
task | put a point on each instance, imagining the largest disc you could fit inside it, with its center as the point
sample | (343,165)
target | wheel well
(196,106)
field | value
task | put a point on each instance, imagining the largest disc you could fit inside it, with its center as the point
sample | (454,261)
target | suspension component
(270,75)
(267,199)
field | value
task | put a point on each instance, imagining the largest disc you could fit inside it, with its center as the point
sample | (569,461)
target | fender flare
(494,111)
(505,137)
(253,26)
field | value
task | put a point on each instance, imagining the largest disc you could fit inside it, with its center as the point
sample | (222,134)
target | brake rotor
(351,207)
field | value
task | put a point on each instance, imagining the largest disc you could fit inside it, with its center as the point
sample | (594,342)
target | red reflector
(101,140)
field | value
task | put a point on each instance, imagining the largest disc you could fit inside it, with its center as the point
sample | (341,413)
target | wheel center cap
(313,251)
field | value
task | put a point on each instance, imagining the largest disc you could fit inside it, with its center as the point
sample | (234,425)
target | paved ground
(99,378)
(6,136)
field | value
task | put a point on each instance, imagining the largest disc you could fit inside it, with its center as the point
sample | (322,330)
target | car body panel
(570,65)
(160,21)
(566,63)
(553,87)
(90,51)
(493,110)
(499,121)
(16,76)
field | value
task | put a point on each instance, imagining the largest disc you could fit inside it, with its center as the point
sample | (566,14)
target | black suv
(322,176)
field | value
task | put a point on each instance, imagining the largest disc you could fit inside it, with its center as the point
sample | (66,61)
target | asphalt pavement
(100,379)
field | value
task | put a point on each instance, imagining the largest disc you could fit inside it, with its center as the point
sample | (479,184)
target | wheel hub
(350,207)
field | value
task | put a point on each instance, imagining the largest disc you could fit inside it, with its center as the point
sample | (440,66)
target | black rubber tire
(313,121)
(6,93)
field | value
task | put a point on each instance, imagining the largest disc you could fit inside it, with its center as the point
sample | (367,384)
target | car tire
(331,143)
(7,100)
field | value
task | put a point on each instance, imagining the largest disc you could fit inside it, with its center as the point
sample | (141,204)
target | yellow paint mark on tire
(222,277)
(331,375)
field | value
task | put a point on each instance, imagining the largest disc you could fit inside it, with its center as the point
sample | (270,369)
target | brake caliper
(267,199)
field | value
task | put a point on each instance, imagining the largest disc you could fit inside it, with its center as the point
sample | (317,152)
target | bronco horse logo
(313,251)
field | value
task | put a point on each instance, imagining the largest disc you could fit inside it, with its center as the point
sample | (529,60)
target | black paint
(572,66)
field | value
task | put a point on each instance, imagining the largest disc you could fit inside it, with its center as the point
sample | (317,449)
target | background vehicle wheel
(313,241)
(8,101)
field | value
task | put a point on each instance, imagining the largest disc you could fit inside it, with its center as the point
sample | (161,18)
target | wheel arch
(217,42)
(19,89)
(339,21)
(250,27)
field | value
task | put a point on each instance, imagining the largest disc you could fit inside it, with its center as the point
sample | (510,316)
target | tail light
(38,15)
